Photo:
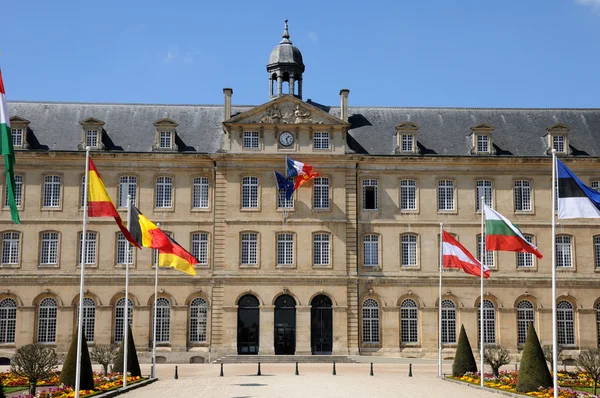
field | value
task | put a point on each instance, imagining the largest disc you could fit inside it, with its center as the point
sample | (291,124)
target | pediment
(286,109)
(91,121)
(407,126)
(483,126)
(18,120)
(165,122)
(558,127)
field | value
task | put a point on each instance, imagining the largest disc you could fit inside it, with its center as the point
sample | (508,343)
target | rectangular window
(595,186)
(321,193)
(407,143)
(371,250)
(200,247)
(370,198)
(563,252)
(90,248)
(49,248)
(250,193)
(124,250)
(91,138)
(408,195)
(165,140)
(200,195)
(285,249)
(558,143)
(17,137)
(164,193)
(597,252)
(525,260)
(321,249)
(10,247)
(445,195)
(251,139)
(522,196)
(282,202)
(409,250)
(484,189)
(18,192)
(127,186)
(489,255)
(321,140)
(52,191)
(249,248)
(483,143)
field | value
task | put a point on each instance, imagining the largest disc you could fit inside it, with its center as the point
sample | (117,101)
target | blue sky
(509,53)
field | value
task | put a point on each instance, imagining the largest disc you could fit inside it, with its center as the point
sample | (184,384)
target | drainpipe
(357,259)
(212,259)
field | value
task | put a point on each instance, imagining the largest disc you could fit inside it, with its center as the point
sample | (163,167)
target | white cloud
(170,56)
(594,4)
(312,36)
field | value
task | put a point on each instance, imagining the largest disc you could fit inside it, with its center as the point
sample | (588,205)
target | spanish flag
(177,257)
(99,203)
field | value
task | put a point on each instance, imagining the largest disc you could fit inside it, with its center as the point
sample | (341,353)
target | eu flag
(285,185)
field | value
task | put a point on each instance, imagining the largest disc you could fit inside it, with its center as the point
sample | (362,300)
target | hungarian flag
(502,235)
(454,255)
(99,203)
(145,232)
(8,151)
(300,171)
(177,257)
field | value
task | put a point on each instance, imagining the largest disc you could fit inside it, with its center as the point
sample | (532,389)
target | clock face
(286,138)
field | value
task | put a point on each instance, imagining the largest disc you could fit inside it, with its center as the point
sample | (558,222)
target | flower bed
(569,382)
(101,384)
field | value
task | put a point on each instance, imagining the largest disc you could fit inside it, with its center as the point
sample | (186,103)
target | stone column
(270,86)
(267,330)
(303,330)
(292,88)
(279,85)
(300,88)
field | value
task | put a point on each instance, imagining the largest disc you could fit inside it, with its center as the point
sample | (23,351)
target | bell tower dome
(285,68)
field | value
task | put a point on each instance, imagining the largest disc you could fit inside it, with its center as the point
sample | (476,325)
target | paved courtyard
(315,380)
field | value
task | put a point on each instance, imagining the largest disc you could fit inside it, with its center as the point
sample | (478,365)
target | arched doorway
(285,325)
(248,329)
(321,325)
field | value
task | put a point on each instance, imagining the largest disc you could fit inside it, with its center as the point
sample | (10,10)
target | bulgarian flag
(502,235)
(301,171)
(454,255)
(8,151)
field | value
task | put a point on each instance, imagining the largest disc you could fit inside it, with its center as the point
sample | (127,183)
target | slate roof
(442,131)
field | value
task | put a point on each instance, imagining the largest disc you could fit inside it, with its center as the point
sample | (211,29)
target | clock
(286,138)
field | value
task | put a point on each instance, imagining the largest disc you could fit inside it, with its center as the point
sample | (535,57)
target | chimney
(227,92)
(344,104)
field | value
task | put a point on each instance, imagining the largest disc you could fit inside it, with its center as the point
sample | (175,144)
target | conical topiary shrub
(133,365)
(69,369)
(533,372)
(464,361)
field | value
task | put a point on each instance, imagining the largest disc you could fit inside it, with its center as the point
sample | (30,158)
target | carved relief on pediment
(287,113)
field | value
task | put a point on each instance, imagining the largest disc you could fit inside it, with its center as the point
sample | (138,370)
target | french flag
(300,171)
(575,199)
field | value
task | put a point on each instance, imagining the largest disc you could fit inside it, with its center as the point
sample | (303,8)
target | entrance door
(285,325)
(248,328)
(321,321)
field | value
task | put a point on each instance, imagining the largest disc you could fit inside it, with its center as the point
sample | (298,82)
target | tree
(589,362)
(35,362)
(548,354)
(104,354)
(534,371)
(69,370)
(464,361)
(496,356)
(133,365)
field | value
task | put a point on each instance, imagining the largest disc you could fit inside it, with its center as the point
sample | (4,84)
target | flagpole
(153,375)
(126,303)
(481,323)
(440,301)
(81,284)
(554,315)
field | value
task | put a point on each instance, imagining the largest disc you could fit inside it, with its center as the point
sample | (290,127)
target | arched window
(409,325)
(525,316)
(448,322)
(370,321)
(163,320)
(47,321)
(120,317)
(565,323)
(8,321)
(198,320)
(89,318)
(489,323)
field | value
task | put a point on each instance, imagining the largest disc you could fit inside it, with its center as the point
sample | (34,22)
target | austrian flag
(456,256)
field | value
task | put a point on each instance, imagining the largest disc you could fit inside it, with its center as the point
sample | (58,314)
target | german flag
(99,203)
(145,232)
(177,257)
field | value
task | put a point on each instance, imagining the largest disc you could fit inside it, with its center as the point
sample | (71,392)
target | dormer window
(558,139)
(482,139)
(166,132)
(17,137)
(406,138)
(19,128)
(92,130)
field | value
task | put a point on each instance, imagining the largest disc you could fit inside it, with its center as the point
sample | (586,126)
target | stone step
(284,359)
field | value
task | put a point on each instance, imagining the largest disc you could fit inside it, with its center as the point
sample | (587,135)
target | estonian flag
(283,184)
(575,199)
